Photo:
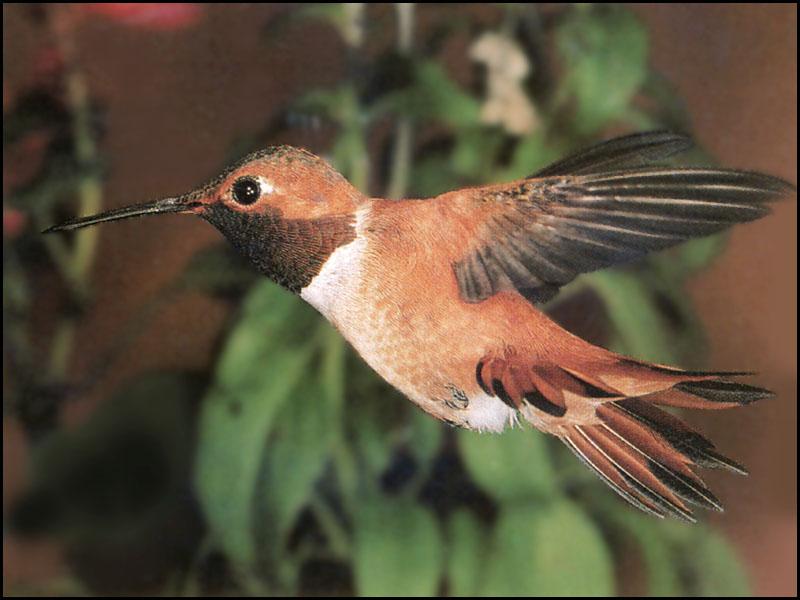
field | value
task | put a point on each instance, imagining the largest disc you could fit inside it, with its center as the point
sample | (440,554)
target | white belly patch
(487,413)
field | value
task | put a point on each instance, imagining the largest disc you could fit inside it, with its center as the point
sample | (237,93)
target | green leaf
(697,254)
(371,444)
(717,572)
(350,155)
(338,104)
(475,154)
(467,543)
(553,550)
(302,437)
(432,175)
(373,411)
(259,369)
(424,437)
(604,51)
(297,451)
(642,331)
(514,465)
(654,549)
(530,154)
(398,549)
(433,96)
(272,320)
(443,98)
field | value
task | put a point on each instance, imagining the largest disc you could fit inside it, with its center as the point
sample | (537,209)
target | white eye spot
(267,187)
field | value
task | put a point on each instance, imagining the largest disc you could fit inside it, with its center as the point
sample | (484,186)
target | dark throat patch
(291,252)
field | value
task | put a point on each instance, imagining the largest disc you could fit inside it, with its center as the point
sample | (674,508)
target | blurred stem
(337,536)
(403,140)
(347,473)
(75,263)
(353,33)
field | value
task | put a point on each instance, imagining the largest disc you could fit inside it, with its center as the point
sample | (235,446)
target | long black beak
(166,205)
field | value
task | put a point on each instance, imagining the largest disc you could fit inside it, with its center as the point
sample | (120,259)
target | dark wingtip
(677,141)
(770,183)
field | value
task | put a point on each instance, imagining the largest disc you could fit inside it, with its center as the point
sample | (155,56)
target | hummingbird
(440,296)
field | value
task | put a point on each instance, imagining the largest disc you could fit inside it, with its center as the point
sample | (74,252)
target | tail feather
(635,470)
(648,457)
(682,389)
(721,392)
(697,449)
(606,412)
(602,466)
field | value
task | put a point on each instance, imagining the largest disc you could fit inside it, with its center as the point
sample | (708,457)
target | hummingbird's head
(283,208)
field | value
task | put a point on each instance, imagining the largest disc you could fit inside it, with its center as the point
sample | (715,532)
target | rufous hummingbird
(439,295)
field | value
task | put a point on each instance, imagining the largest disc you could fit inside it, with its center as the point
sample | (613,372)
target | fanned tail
(649,456)
(604,408)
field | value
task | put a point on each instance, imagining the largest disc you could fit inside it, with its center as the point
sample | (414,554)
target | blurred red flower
(48,65)
(161,16)
(13,222)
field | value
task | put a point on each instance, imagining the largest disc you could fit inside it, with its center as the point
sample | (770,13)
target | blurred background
(173,424)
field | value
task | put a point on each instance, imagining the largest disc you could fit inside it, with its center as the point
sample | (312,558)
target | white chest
(332,291)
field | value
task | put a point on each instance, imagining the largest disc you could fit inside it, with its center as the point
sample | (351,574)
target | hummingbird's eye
(246,190)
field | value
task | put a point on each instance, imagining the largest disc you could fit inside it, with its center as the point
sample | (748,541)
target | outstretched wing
(577,216)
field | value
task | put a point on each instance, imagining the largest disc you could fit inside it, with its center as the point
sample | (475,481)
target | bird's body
(388,292)
(391,293)
(439,296)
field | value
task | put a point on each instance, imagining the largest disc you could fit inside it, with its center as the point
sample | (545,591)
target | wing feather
(539,234)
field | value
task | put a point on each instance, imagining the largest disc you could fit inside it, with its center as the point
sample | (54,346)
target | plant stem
(337,536)
(77,265)
(403,140)
(353,33)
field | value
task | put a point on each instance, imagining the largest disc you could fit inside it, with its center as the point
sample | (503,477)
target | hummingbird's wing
(605,413)
(629,151)
(576,216)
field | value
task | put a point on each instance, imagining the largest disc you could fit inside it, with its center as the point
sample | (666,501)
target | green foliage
(467,553)
(433,97)
(655,551)
(114,484)
(511,466)
(254,378)
(605,60)
(641,330)
(398,549)
(301,441)
(146,425)
(552,550)
(715,568)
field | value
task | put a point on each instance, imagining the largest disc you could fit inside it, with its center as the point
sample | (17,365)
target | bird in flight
(439,295)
